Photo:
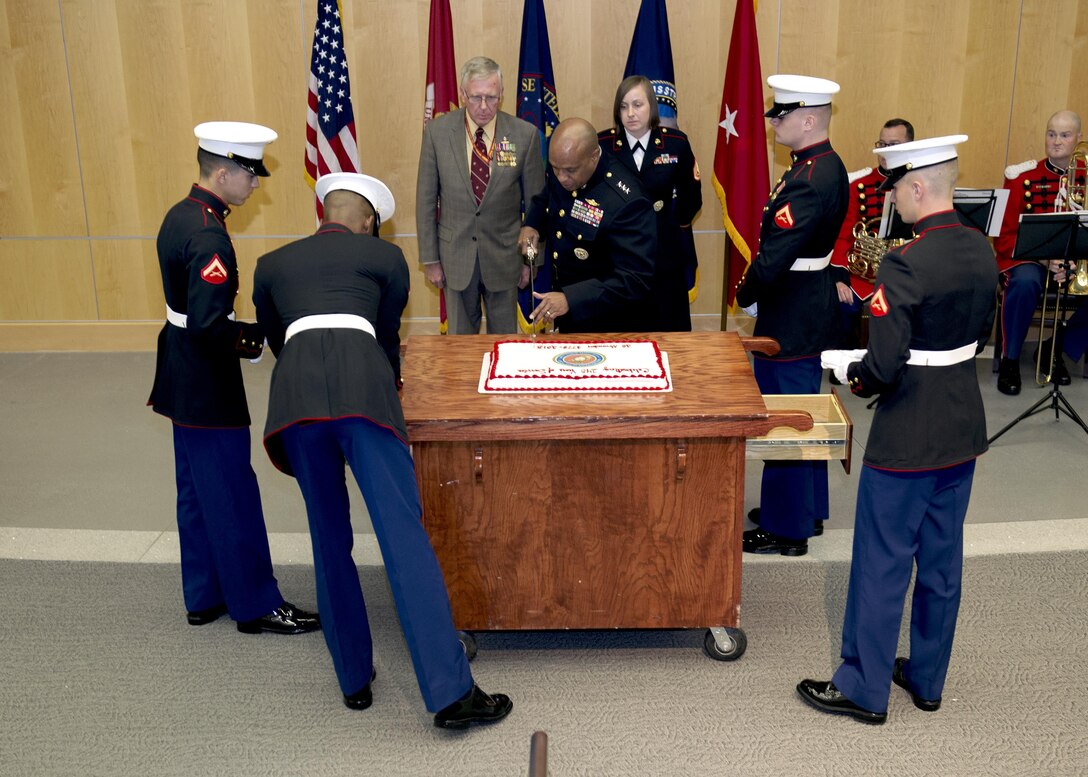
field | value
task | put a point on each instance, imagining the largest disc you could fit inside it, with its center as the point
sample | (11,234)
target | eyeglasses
(883,144)
(477,99)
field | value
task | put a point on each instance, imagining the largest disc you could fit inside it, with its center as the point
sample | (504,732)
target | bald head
(573,152)
(1062,135)
(1068,118)
(350,209)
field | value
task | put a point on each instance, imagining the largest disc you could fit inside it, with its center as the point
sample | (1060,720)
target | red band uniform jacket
(198,377)
(1033,187)
(864,203)
(328,374)
(802,218)
(935,293)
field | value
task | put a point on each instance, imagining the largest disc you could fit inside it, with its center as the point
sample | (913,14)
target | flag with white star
(330,120)
(741,177)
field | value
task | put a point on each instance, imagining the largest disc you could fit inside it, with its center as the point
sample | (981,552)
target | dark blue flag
(651,56)
(538,105)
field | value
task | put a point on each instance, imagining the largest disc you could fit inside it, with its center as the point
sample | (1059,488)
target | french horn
(863,258)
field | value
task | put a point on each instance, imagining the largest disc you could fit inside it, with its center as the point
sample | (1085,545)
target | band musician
(854,266)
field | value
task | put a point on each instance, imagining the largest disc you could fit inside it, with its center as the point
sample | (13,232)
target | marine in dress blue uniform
(601,235)
(932,308)
(331,306)
(791,289)
(225,561)
(1033,188)
(662,160)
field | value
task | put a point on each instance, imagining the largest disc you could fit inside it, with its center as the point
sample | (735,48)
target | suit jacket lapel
(460,151)
(502,130)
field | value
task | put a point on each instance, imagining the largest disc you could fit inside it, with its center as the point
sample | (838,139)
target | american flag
(330,121)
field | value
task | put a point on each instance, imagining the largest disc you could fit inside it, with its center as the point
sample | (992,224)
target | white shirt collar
(644,140)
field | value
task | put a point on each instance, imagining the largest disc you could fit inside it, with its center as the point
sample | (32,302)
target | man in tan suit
(478,170)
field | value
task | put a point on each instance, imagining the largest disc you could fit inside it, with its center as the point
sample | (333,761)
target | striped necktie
(481,166)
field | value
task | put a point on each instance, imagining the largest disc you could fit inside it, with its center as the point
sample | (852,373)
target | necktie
(637,153)
(481,166)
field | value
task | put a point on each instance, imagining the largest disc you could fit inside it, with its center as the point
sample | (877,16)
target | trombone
(1072,196)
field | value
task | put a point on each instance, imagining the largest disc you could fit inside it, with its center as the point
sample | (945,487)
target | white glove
(752,310)
(264,347)
(838,361)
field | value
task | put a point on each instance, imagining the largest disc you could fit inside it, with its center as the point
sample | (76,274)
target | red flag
(441,90)
(330,120)
(740,156)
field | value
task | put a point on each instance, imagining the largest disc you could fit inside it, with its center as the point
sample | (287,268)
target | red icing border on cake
(491,375)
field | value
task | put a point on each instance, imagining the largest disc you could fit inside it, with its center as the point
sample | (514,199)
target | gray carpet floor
(101,676)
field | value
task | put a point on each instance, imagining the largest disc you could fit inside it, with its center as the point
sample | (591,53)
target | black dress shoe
(900,679)
(826,697)
(817,526)
(759,541)
(202,617)
(360,700)
(1008,377)
(285,619)
(474,707)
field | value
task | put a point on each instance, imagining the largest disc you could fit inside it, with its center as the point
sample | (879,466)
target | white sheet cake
(555,365)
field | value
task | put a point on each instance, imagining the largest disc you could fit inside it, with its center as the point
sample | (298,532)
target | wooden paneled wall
(98,99)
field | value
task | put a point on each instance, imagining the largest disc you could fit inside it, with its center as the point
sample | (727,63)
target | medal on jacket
(506,155)
(587,212)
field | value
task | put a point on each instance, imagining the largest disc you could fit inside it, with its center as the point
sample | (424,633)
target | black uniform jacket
(935,293)
(801,220)
(327,374)
(670,180)
(601,239)
(198,378)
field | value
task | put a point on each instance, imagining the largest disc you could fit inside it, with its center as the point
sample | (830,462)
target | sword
(530,255)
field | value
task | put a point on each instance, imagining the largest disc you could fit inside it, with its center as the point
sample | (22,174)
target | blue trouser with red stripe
(382,466)
(793,495)
(224,542)
(903,519)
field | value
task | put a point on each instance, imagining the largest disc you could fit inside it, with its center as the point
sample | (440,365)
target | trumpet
(1072,191)
(863,258)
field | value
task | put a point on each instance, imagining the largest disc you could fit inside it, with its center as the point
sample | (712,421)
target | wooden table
(588,511)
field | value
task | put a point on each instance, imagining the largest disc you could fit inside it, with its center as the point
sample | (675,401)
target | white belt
(180,320)
(942,358)
(329,321)
(811,265)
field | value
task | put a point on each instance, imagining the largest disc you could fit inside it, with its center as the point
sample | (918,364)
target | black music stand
(1044,236)
(983,209)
